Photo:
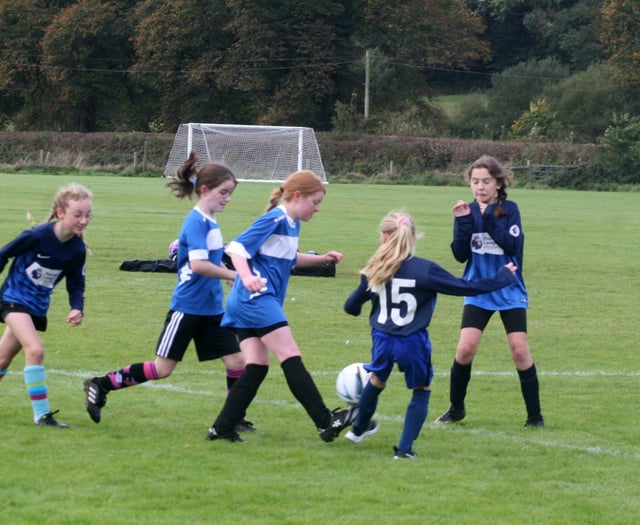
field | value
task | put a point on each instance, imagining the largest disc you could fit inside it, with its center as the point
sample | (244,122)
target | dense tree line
(550,70)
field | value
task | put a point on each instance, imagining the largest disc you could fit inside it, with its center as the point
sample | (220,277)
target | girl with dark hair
(195,311)
(487,233)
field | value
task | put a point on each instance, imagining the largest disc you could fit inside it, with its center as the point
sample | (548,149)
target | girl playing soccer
(263,256)
(487,233)
(196,308)
(403,289)
(42,256)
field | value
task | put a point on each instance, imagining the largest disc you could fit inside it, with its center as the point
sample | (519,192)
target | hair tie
(194,180)
(404,220)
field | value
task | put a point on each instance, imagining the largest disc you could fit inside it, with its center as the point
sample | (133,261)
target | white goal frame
(253,153)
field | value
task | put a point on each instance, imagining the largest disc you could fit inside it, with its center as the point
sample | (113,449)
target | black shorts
(514,320)
(211,340)
(38,321)
(248,333)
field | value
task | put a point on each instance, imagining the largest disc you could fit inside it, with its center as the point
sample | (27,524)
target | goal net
(253,153)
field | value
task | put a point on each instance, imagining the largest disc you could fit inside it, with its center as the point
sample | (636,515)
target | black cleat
(451,416)
(534,422)
(340,419)
(96,398)
(245,426)
(399,454)
(49,421)
(212,434)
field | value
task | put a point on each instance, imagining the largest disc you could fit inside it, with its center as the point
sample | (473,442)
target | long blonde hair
(306,182)
(400,243)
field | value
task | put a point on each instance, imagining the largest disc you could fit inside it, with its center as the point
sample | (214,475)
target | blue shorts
(412,354)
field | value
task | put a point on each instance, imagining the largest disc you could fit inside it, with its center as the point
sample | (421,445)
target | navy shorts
(211,340)
(514,320)
(412,354)
(38,321)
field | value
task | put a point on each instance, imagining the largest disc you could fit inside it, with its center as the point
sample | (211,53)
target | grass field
(147,462)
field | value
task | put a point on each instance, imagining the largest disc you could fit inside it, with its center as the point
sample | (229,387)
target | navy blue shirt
(405,304)
(40,262)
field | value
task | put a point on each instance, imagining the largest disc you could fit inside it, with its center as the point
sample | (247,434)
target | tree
(621,27)
(86,53)
(290,54)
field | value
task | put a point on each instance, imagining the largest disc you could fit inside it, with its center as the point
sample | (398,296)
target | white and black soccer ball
(351,380)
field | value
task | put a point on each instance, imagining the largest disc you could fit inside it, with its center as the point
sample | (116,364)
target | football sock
(130,375)
(366,407)
(459,380)
(3,372)
(36,381)
(530,391)
(232,376)
(239,398)
(305,391)
(414,418)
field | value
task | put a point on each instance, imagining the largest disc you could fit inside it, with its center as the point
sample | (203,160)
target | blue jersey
(270,246)
(487,243)
(40,261)
(406,302)
(200,239)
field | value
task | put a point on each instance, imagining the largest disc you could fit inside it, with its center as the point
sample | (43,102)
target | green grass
(451,103)
(147,462)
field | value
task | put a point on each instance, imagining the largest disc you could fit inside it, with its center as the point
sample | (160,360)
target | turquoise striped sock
(36,381)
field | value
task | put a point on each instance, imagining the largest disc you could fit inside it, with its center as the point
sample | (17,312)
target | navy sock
(459,380)
(414,419)
(530,391)
(366,407)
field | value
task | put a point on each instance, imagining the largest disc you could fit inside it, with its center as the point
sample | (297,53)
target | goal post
(253,153)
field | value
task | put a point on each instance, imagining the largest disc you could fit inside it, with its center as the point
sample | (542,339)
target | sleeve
(441,281)
(357,298)
(462,231)
(249,241)
(18,245)
(75,280)
(506,230)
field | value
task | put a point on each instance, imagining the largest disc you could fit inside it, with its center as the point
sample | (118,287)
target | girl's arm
(252,282)
(208,269)
(506,230)
(357,298)
(462,231)
(314,259)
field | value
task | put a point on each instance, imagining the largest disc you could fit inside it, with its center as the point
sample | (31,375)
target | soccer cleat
(49,421)
(451,416)
(534,422)
(245,426)
(340,419)
(96,398)
(399,454)
(371,429)
(212,434)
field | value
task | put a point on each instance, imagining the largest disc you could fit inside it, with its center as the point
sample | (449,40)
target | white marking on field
(595,450)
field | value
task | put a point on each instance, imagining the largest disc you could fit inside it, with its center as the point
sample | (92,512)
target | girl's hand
(461,209)
(332,257)
(512,267)
(254,283)
(75,317)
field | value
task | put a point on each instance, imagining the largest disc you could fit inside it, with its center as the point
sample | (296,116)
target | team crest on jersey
(483,243)
(514,231)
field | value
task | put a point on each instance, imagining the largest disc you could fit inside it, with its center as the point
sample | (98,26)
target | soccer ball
(351,380)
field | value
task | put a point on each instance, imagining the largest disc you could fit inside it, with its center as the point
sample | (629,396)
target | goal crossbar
(253,153)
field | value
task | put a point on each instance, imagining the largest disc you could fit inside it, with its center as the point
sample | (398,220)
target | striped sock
(232,376)
(130,375)
(36,381)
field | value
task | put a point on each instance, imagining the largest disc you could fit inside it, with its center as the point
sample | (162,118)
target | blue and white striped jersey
(486,243)
(40,261)
(200,239)
(270,246)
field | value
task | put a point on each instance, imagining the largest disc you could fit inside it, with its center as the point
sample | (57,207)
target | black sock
(239,398)
(460,377)
(305,391)
(530,391)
